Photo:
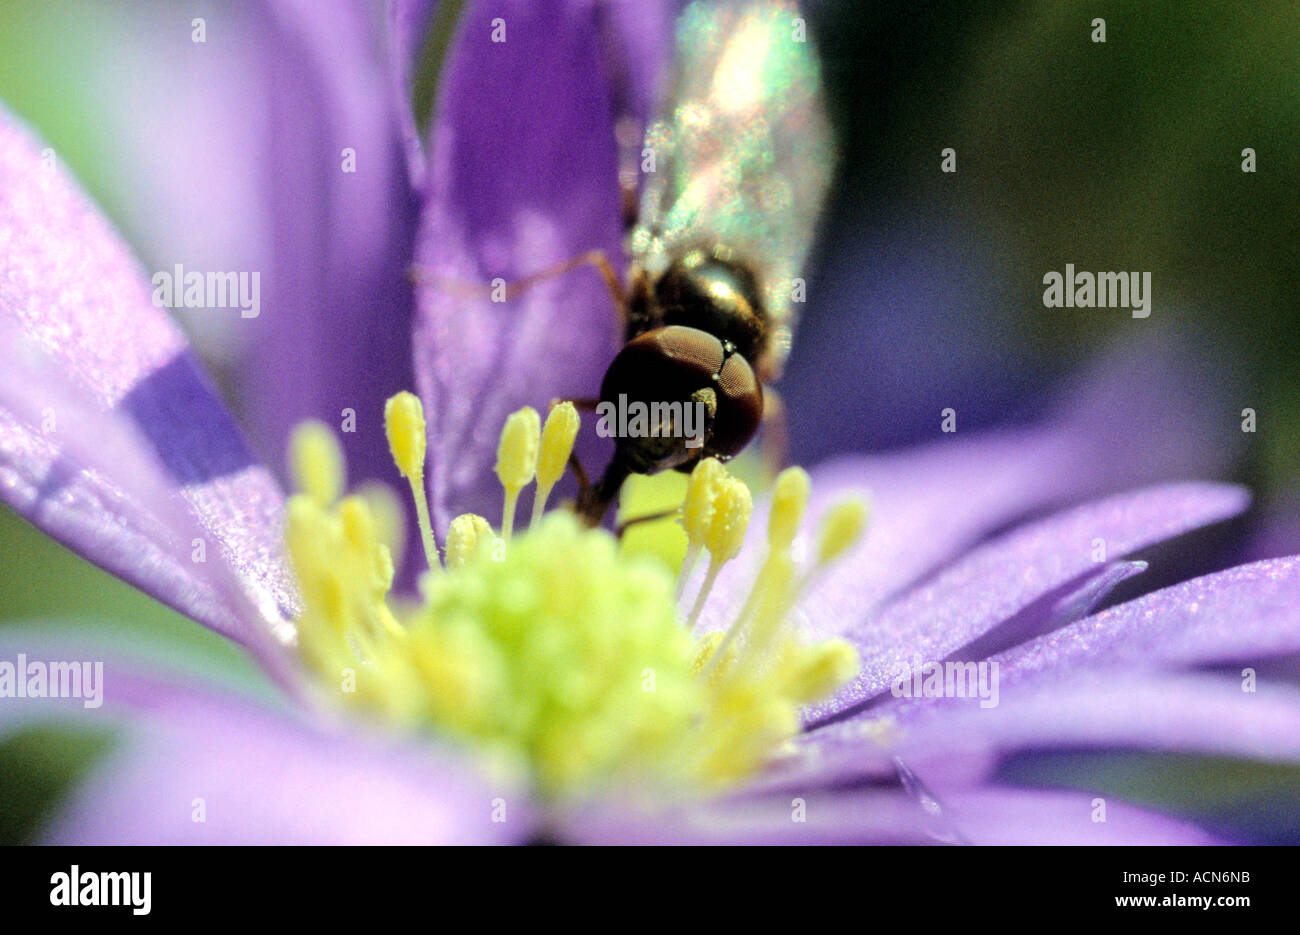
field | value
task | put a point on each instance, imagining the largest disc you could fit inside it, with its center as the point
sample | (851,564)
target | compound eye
(740,407)
(663,365)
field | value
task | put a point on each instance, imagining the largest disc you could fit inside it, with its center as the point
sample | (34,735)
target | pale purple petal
(820,817)
(882,816)
(229,155)
(1245,614)
(111,438)
(927,504)
(998,579)
(264,777)
(953,743)
(1057,608)
(933,500)
(1001,816)
(88,477)
(523,175)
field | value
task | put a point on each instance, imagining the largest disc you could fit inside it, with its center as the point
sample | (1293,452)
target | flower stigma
(552,646)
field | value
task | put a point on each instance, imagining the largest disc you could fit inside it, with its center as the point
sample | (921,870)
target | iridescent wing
(743,151)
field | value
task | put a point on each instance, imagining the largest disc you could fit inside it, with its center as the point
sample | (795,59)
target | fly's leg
(630,135)
(775,432)
(648,518)
(584,404)
(594,500)
(500,291)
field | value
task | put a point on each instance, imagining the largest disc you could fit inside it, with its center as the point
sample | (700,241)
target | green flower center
(554,647)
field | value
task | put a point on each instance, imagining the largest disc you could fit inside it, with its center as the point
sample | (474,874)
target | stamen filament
(405,427)
(731,510)
(710,577)
(693,550)
(426,526)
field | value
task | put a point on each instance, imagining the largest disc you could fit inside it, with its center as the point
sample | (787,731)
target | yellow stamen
(766,605)
(558,436)
(697,513)
(841,530)
(316,462)
(725,536)
(823,669)
(404,425)
(389,516)
(563,653)
(517,460)
(789,500)
(468,533)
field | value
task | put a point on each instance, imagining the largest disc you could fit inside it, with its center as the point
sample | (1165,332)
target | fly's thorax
(717,292)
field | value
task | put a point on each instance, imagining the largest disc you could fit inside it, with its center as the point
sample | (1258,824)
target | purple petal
(408,25)
(229,156)
(981,816)
(334,333)
(995,581)
(995,816)
(953,743)
(931,501)
(263,777)
(873,817)
(927,504)
(1057,608)
(523,175)
(110,437)
(1246,614)
(642,35)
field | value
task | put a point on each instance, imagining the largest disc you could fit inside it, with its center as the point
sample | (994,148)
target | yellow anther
(558,436)
(358,524)
(517,453)
(730,521)
(841,530)
(468,534)
(360,532)
(704,650)
(316,462)
(304,523)
(789,500)
(517,460)
(389,515)
(825,667)
(404,423)
(697,509)
(697,513)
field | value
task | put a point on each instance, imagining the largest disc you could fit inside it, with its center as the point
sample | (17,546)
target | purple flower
(112,440)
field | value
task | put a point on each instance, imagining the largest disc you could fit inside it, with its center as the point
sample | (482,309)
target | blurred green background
(1123,155)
